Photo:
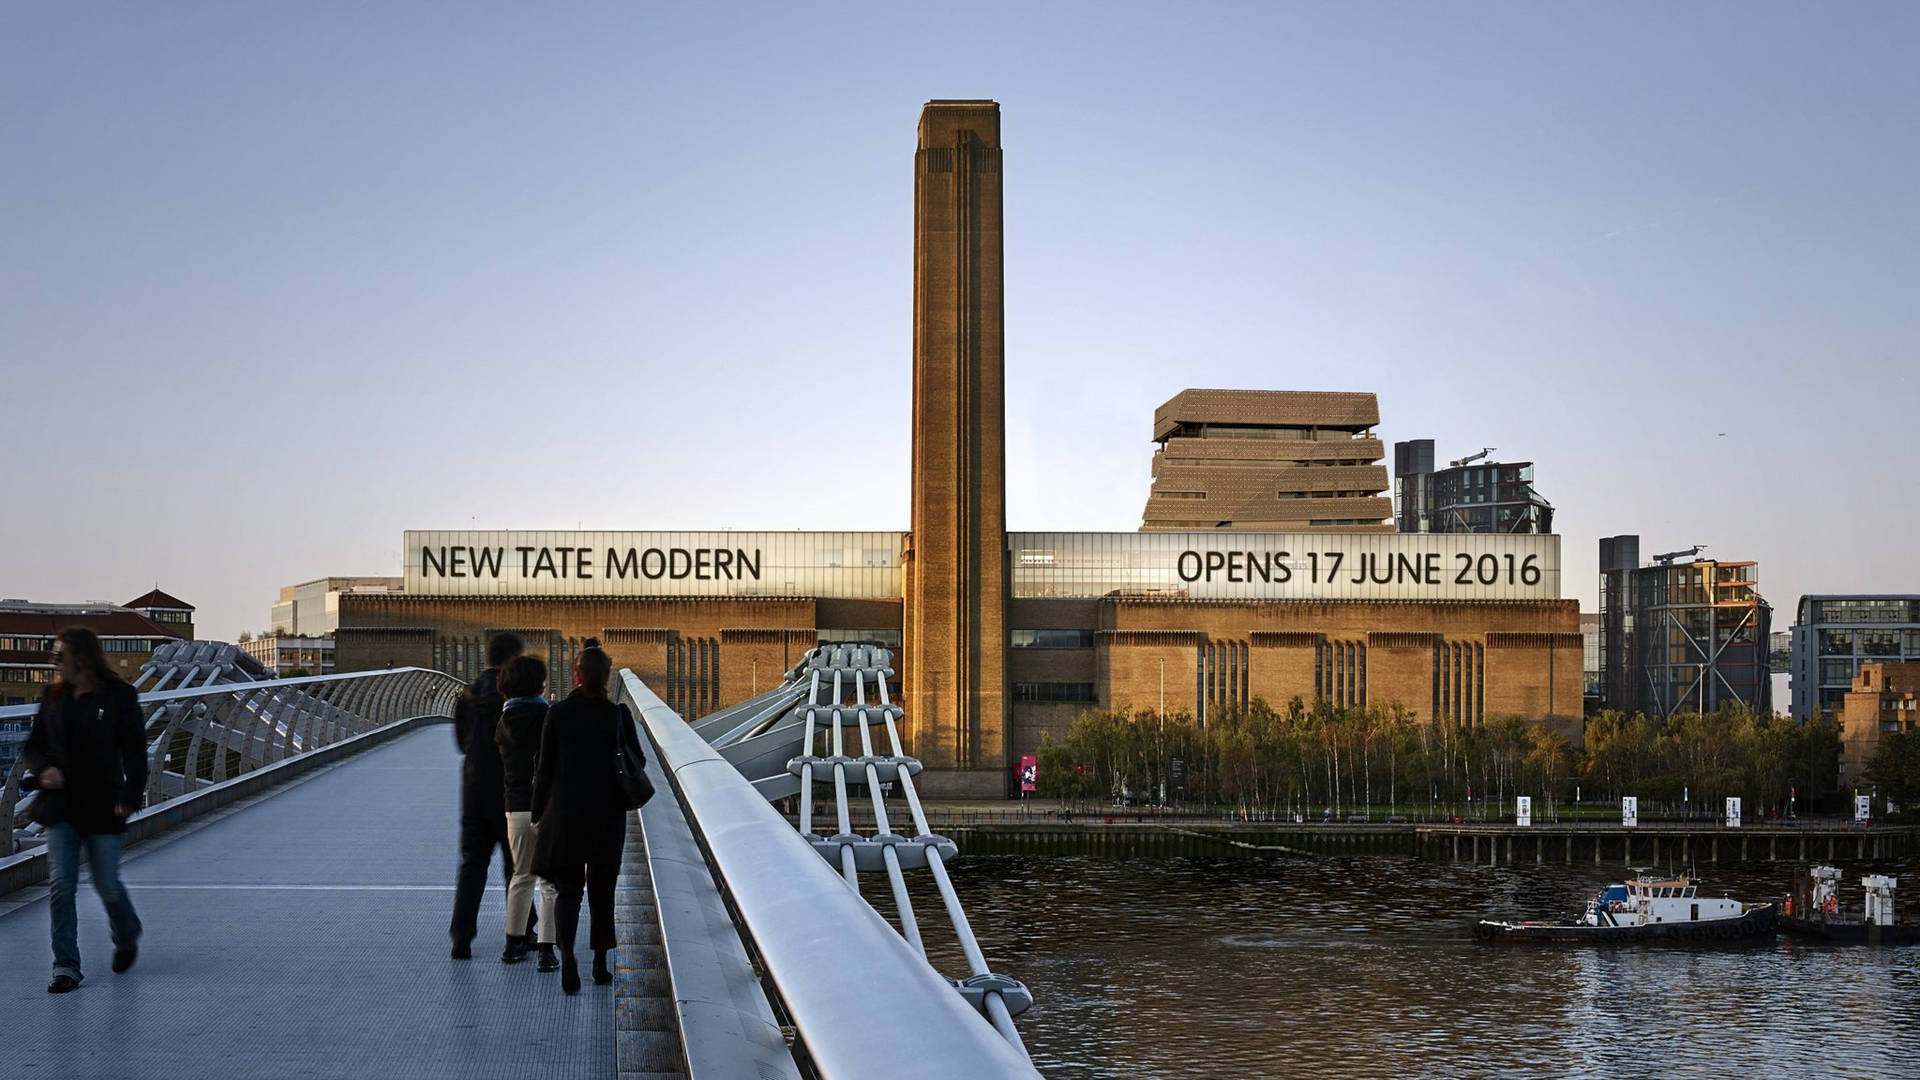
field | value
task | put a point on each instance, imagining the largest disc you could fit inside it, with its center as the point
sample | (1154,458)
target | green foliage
(1729,752)
(1315,760)
(1895,767)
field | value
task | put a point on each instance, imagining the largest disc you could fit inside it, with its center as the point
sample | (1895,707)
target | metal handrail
(205,735)
(843,976)
(1000,998)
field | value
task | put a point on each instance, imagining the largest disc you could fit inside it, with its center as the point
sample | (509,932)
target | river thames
(1361,967)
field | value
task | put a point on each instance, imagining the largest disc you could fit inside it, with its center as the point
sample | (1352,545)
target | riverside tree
(1319,760)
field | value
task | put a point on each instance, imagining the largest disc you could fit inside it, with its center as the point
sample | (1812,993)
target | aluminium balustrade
(789,902)
(202,736)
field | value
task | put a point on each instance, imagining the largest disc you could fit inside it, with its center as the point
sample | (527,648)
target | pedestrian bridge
(294,872)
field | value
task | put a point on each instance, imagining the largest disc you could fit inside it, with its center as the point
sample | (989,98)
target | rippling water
(1360,967)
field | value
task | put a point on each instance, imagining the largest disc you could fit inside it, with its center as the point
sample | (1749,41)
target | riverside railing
(848,983)
(835,674)
(201,737)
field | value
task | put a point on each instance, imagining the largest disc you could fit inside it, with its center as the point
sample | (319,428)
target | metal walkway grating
(304,935)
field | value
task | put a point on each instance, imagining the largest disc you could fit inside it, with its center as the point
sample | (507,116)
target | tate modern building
(1000,636)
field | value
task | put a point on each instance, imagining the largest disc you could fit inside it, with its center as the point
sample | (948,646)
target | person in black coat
(483,805)
(87,758)
(518,737)
(581,811)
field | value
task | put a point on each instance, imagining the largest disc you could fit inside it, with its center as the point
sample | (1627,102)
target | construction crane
(1667,559)
(1471,458)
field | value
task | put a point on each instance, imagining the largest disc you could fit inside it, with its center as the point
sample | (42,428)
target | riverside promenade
(989,827)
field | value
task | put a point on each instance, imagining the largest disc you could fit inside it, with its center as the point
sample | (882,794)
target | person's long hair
(591,671)
(84,646)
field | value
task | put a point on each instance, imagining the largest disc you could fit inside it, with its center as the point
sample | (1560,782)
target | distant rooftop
(1265,409)
(1859,608)
(158,599)
(110,622)
(88,607)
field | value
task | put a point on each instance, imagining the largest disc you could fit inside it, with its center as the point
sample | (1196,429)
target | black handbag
(630,765)
(44,808)
(548,840)
(37,811)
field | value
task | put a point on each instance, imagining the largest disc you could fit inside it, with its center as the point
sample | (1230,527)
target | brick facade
(1884,700)
(1487,660)
(697,653)
(1471,661)
(1267,461)
(956,585)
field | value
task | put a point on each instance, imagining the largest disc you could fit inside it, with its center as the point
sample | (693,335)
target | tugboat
(1647,908)
(1815,912)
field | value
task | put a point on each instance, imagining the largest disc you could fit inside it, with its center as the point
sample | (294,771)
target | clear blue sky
(279,281)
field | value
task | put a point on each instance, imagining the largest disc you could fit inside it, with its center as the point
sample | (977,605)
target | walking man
(483,804)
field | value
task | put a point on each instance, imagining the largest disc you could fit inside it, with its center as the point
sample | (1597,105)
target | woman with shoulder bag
(581,807)
(87,756)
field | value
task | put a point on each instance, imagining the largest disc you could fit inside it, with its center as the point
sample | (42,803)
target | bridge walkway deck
(302,935)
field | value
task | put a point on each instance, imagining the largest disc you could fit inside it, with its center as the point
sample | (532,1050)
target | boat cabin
(1643,900)
(1661,890)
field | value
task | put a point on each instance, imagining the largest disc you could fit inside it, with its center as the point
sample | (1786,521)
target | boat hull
(1851,933)
(1759,922)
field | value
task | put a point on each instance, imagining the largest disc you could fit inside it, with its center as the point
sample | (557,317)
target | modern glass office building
(1471,495)
(1834,635)
(1681,636)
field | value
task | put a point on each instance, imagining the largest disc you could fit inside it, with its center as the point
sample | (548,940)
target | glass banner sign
(1286,566)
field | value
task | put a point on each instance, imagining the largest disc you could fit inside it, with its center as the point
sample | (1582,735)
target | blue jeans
(103,854)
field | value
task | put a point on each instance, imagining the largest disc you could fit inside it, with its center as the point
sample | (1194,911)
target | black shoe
(516,951)
(569,975)
(601,974)
(548,961)
(463,950)
(124,958)
(62,984)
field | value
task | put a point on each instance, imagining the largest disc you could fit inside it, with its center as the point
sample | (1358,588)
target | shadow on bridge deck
(301,934)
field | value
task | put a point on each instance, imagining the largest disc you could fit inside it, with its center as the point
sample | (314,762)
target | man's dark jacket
(98,741)
(518,736)
(475,715)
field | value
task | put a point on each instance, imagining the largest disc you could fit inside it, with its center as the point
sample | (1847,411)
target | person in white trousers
(518,735)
